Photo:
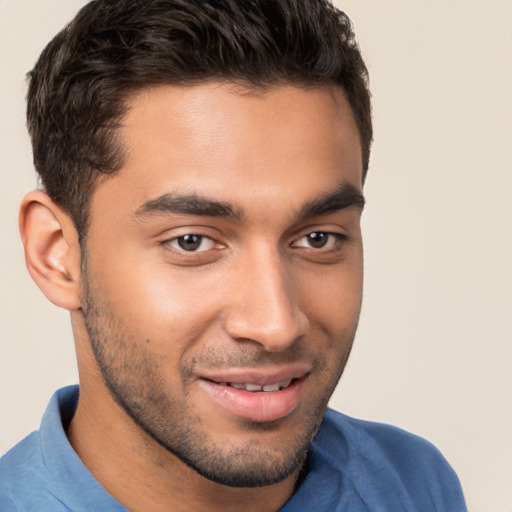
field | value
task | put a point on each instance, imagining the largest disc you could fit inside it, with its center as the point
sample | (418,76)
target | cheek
(332,296)
(169,308)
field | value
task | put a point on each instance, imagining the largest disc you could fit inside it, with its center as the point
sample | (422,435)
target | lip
(259,406)
(259,376)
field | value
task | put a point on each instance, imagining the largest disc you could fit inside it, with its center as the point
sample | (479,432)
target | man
(203,165)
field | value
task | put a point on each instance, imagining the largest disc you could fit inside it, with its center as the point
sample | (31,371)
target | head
(203,164)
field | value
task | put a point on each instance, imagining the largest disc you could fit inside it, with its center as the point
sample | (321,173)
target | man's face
(223,272)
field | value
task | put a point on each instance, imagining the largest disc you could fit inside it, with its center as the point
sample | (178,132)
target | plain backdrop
(433,353)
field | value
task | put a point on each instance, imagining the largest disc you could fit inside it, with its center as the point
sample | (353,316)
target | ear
(52,251)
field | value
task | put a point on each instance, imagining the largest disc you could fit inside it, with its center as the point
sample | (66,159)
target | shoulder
(20,466)
(381,459)
(392,443)
(26,479)
(19,458)
(6,505)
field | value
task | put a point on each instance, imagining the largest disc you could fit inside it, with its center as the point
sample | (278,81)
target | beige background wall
(434,351)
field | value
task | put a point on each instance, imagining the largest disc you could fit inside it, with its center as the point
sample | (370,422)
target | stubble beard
(132,377)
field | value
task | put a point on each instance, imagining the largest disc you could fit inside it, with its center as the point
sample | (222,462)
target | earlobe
(52,250)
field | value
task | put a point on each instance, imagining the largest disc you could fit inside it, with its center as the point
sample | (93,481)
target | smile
(255,387)
(257,395)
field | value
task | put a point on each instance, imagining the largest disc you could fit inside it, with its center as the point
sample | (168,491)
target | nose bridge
(266,308)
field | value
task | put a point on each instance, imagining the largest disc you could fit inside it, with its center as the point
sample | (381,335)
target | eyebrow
(190,204)
(344,196)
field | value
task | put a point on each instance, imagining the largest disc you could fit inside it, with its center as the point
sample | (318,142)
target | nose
(264,304)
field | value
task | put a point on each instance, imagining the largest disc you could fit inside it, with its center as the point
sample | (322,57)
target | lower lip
(255,406)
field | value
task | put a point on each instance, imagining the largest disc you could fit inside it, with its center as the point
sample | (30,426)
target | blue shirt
(354,466)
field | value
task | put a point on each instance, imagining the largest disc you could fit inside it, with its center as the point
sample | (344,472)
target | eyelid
(181,230)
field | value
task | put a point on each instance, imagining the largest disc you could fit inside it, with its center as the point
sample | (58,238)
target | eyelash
(193,237)
(335,238)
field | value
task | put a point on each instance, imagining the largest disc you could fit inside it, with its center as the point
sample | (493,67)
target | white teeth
(255,387)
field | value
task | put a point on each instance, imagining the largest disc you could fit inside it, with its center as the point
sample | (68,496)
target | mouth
(255,388)
(256,396)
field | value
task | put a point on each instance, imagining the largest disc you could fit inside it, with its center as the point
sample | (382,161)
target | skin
(156,315)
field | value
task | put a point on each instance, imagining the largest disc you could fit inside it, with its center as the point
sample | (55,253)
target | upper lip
(259,376)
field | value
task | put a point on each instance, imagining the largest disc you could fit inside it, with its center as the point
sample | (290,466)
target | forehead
(234,144)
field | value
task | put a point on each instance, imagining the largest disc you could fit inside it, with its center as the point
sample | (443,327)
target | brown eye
(189,242)
(320,240)
(317,240)
(192,243)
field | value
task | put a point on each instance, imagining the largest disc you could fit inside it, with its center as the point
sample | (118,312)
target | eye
(192,243)
(319,240)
